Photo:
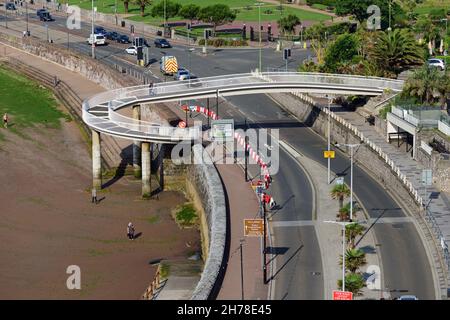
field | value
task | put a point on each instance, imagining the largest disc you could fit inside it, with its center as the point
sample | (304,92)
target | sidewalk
(243,204)
(330,234)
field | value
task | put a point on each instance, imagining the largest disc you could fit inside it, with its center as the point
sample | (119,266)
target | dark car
(123,39)
(45,16)
(162,43)
(39,11)
(100,30)
(112,35)
(10,6)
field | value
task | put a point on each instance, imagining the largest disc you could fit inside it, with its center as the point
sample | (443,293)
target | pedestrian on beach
(94,195)
(130,231)
(5,120)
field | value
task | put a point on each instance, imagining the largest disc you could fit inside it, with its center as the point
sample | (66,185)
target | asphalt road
(405,265)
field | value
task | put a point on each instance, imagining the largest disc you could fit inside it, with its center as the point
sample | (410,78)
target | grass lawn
(26,102)
(319,6)
(107,6)
(428,5)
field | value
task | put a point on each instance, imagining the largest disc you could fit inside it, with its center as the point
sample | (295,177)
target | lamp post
(343,224)
(242,268)
(351,146)
(165,17)
(389,29)
(6,16)
(259,19)
(26,15)
(329,138)
(92,33)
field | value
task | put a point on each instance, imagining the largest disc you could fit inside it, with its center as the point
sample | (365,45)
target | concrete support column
(137,145)
(96,160)
(146,170)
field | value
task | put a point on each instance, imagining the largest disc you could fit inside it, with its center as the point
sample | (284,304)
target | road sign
(342,295)
(182,124)
(329,154)
(171,65)
(222,130)
(253,227)
(427,177)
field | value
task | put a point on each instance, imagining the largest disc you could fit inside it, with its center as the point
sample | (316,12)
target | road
(405,265)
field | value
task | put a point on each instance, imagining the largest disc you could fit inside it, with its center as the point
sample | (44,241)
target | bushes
(328,3)
(221,42)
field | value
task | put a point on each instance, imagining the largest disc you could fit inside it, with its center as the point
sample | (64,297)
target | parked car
(162,43)
(131,50)
(438,63)
(100,30)
(98,39)
(44,15)
(123,39)
(182,74)
(39,11)
(10,6)
(112,35)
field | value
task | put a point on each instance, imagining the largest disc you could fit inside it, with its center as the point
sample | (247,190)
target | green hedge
(221,42)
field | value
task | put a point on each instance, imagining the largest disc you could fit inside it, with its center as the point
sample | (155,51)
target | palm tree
(340,191)
(395,51)
(125,4)
(142,4)
(344,212)
(424,85)
(354,258)
(354,282)
(352,231)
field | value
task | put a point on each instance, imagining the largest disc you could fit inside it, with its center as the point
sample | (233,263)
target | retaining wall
(207,185)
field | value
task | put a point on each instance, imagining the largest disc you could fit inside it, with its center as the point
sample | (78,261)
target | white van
(98,39)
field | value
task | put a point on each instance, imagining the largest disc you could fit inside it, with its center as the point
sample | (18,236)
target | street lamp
(329,138)
(92,33)
(351,146)
(6,16)
(165,17)
(343,224)
(259,19)
(26,15)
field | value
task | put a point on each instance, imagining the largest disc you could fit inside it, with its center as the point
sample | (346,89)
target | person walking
(5,120)
(130,231)
(94,195)
(150,89)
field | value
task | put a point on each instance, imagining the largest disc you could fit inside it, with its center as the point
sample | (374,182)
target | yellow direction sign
(171,65)
(253,227)
(328,154)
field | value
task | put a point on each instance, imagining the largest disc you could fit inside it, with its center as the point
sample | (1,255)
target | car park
(131,50)
(162,43)
(437,63)
(123,39)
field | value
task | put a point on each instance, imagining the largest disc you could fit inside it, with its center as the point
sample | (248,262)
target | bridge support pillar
(137,145)
(146,170)
(96,160)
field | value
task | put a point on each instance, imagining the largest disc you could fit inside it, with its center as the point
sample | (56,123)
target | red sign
(185,107)
(182,124)
(342,295)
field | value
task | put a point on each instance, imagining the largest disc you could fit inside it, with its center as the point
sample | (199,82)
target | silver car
(438,63)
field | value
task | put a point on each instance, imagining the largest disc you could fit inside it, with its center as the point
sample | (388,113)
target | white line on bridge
(303,223)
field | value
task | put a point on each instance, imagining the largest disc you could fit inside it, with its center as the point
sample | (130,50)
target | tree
(344,212)
(288,24)
(217,14)
(354,259)
(318,41)
(427,85)
(396,51)
(352,231)
(354,282)
(190,11)
(142,4)
(125,5)
(172,9)
(340,191)
(342,50)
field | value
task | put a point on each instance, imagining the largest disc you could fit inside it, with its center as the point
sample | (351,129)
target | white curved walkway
(101,111)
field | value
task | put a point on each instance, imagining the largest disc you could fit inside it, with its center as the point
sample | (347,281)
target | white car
(98,39)
(438,63)
(131,50)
